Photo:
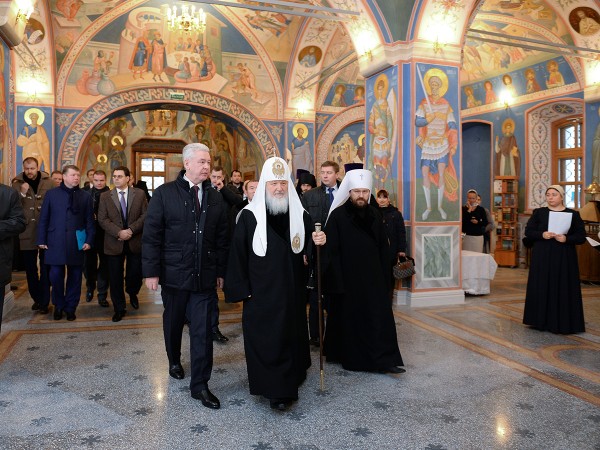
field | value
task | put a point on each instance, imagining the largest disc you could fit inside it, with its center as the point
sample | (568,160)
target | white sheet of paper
(593,242)
(559,222)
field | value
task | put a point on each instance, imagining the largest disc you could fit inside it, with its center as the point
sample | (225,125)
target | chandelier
(187,20)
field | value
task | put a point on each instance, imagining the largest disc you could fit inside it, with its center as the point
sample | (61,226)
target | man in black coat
(12,223)
(96,267)
(361,333)
(184,249)
(317,202)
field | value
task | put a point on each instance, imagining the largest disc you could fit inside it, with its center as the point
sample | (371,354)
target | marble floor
(476,379)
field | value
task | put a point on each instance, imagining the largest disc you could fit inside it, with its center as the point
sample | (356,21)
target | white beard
(275,205)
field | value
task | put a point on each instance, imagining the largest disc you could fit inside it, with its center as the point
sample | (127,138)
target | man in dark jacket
(317,202)
(32,185)
(96,267)
(65,231)
(184,248)
(12,222)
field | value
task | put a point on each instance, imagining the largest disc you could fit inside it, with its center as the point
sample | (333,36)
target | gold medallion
(278,169)
(296,242)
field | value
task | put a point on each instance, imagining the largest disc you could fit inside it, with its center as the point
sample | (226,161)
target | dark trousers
(313,313)
(197,307)
(96,272)
(133,276)
(38,282)
(214,318)
(67,298)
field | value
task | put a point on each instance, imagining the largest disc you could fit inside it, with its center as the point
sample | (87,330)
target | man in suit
(184,248)
(317,202)
(236,184)
(12,222)
(121,214)
(65,231)
(32,185)
(96,268)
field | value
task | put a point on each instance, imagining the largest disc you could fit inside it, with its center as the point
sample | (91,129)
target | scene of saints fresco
(550,74)
(436,122)
(110,145)
(342,95)
(138,49)
(382,130)
(348,146)
(485,60)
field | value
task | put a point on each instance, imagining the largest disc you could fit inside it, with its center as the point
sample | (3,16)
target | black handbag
(404,268)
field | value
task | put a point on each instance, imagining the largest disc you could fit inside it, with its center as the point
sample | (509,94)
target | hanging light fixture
(188,20)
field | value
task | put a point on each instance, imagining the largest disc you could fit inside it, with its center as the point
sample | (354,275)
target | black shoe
(117,316)
(135,304)
(103,302)
(207,398)
(71,316)
(176,371)
(393,369)
(43,310)
(218,336)
(34,307)
(89,296)
(280,404)
(315,342)
(57,313)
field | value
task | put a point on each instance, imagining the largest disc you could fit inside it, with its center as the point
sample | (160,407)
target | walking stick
(317,229)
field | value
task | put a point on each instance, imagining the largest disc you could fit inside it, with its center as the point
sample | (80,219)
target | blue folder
(81,237)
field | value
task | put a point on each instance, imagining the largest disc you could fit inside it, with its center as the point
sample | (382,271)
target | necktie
(330,194)
(196,200)
(123,206)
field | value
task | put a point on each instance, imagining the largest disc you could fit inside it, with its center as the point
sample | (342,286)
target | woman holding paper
(553,300)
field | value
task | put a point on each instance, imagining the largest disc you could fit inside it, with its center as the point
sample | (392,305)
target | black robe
(361,332)
(553,301)
(274,317)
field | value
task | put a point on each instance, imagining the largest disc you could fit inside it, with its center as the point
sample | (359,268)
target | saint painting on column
(383,133)
(437,141)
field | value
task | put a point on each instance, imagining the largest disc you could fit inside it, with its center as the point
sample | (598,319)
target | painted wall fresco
(592,139)
(110,145)
(34,136)
(348,146)
(437,141)
(300,152)
(136,49)
(342,95)
(382,129)
(550,74)
(5,153)
(536,20)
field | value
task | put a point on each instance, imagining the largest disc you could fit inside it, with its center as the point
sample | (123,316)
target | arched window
(567,159)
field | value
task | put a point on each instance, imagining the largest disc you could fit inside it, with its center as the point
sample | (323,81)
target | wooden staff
(318,229)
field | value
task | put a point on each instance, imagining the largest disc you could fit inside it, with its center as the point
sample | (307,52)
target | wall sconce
(32,87)
(438,46)
(365,42)
(301,108)
(506,99)
(25,9)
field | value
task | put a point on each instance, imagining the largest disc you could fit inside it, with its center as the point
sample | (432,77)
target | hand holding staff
(319,239)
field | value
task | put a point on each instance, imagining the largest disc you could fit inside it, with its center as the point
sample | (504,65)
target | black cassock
(553,301)
(274,318)
(361,332)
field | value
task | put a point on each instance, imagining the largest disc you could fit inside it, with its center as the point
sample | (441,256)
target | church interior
(106,83)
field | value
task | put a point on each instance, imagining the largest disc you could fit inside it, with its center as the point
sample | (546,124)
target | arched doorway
(107,130)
